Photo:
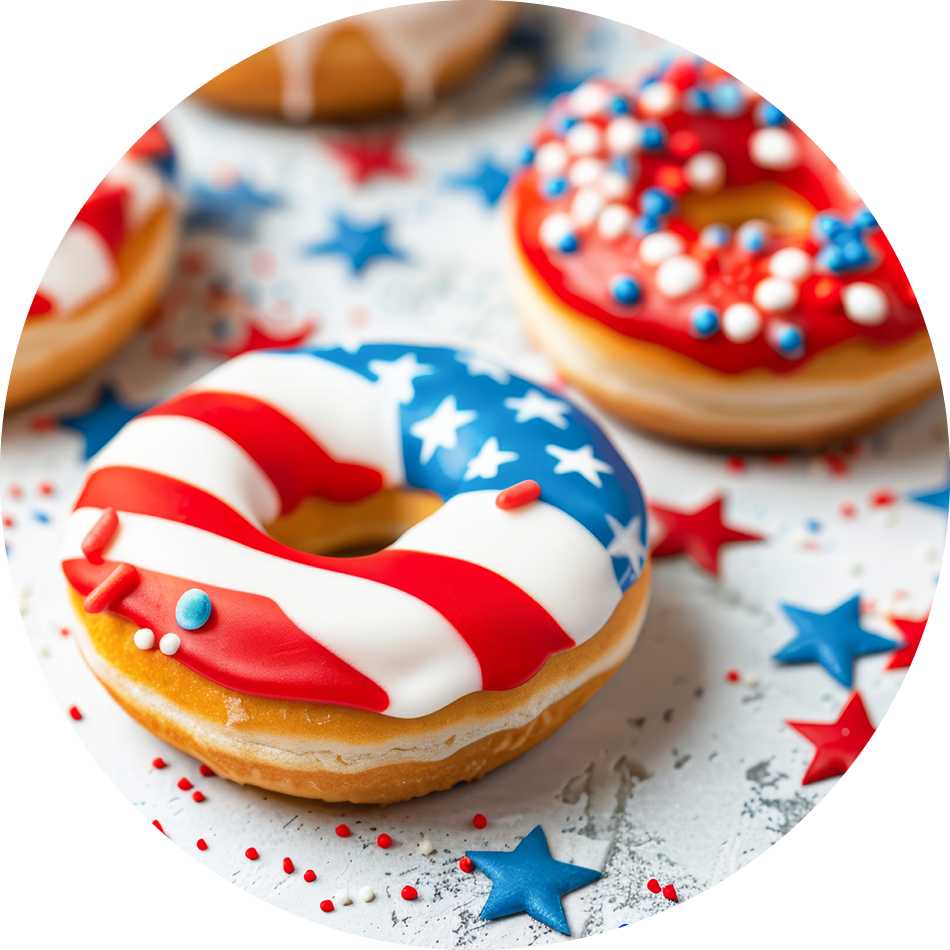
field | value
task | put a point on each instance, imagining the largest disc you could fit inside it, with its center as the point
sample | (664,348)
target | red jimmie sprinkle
(158,825)
(99,535)
(342,831)
(733,676)
(653,886)
(75,713)
(201,844)
(159,763)
(518,495)
(326,906)
(669,892)
(206,772)
(479,821)
(198,797)
(123,580)
(251,854)
(184,784)
(384,841)
(309,876)
(288,866)
(409,893)
(881,498)
(467,865)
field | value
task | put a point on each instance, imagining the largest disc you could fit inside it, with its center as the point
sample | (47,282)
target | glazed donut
(199,557)
(695,264)
(366,65)
(105,278)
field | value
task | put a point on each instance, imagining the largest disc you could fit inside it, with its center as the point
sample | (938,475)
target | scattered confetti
(733,676)
(409,893)
(669,892)
(251,854)
(342,897)
(384,841)
(366,894)
(288,866)
(653,886)
(184,784)
(198,797)
(466,865)
(326,906)
(912,631)
(309,876)
(75,713)
(201,844)
(425,847)
(342,831)
(837,744)
(205,771)
(159,763)
(479,821)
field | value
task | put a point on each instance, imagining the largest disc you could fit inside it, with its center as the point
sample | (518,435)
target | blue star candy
(939,498)
(833,639)
(103,421)
(487,178)
(529,879)
(234,209)
(358,244)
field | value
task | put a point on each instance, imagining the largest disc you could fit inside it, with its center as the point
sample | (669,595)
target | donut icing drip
(477,596)
(691,213)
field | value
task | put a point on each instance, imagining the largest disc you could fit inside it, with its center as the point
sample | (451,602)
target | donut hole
(353,529)
(788,213)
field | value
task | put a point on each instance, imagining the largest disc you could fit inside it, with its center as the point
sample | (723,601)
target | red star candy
(366,155)
(697,534)
(912,631)
(837,744)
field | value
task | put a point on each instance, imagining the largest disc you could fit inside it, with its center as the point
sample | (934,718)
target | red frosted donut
(692,261)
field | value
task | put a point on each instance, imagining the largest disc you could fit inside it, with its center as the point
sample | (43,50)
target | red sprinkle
(672,178)
(288,866)
(123,580)
(43,424)
(15,491)
(45,488)
(7,521)
(309,876)
(384,841)
(75,713)
(827,292)
(326,906)
(684,144)
(479,821)
(836,463)
(682,74)
(198,797)
(653,886)
(206,772)
(778,459)
(733,676)
(342,831)
(467,865)
(202,845)
(184,784)
(159,763)
(158,825)
(251,854)
(881,498)
(99,535)
(409,893)
(64,631)
(735,464)
(518,495)
(669,892)
(848,510)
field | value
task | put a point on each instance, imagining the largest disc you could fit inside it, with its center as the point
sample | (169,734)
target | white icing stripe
(145,190)
(350,417)
(544,551)
(196,453)
(399,642)
(82,268)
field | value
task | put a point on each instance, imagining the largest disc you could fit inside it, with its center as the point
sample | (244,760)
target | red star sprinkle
(364,155)
(698,534)
(837,744)
(912,631)
(479,821)
(653,886)
(205,771)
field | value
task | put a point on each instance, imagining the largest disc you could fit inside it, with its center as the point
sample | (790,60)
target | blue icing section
(461,432)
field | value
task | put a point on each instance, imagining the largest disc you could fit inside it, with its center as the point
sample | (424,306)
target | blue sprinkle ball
(193,609)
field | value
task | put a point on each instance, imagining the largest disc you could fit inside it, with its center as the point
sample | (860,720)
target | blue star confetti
(528,879)
(488,178)
(103,421)
(938,498)
(234,209)
(359,244)
(833,639)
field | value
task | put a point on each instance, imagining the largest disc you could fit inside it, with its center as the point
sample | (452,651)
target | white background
(81,81)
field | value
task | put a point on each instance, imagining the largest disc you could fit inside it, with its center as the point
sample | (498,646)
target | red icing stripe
(288,455)
(105,211)
(508,631)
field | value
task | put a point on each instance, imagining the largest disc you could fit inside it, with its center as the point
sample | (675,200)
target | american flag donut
(105,277)
(523,591)
(693,262)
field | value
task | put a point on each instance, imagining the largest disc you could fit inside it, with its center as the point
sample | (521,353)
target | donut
(226,554)
(695,264)
(105,278)
(366,65)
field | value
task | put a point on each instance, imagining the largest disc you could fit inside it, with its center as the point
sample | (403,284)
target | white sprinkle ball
(588,99)
(366,894)
(169,644)
(551,158)
(555,228)
(614,221)
(741,322)
(659,98)
(680,275)
(657,247)
(775,294)
(705,171)
(865,304)
(774,148)
(792,263)
(624,135)
(585,171)
(341,898)
(613,185)
(586,206)
(583,139)
(425,846)
(144,639)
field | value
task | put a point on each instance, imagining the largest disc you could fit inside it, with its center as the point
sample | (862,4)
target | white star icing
(397,376)
(485,464)
(626,542)
(440,430)
(479,366)
(535,405)
(580,460)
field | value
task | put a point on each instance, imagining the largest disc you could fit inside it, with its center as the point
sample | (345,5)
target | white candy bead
(679,276)
(585,171)
(865,304)
(583,139)
(144,639)
(657,247)
(659,99)
(705,171)
(366,894)
(169,644)
(614,220)
(614,185)
(586,206)
(792,263)
(341,898)
(774,148)
(623,135)
(741,322)
(555,228)
(588,100)
(775,294)
(551,158)
(425,847)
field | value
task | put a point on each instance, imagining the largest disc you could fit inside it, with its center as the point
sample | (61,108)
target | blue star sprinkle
(529,879)
(103,421)
(833,639)
(234,209)
(939,498)
(488,178)
(359,245)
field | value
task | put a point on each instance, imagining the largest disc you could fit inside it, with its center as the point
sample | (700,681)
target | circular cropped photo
(474,474)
